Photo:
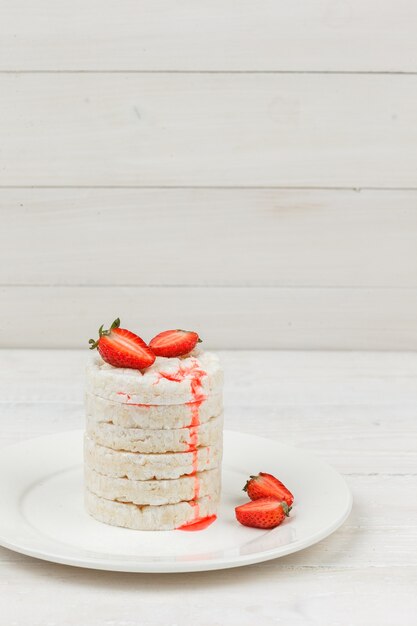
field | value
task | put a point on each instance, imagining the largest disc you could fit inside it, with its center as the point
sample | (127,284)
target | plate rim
(159,567)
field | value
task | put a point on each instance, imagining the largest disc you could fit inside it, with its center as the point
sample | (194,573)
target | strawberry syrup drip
(199,523)
(128,398)
(196,477)
(121,393)
(193,444)
(195,375)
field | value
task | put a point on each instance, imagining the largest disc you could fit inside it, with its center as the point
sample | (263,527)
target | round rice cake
(167,381)
(151,440)
(154,492)
(148,517)
(137,466)
(152,416)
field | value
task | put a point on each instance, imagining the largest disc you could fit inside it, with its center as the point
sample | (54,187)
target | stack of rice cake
(154,442)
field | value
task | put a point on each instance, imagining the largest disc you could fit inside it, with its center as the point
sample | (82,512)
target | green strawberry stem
(245,488)
(101,332)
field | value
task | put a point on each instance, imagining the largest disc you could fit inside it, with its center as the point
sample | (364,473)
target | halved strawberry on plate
(171,343)
(262,513)
(265,485)
(122,348)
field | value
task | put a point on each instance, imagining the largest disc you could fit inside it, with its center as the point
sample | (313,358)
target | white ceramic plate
(42,513)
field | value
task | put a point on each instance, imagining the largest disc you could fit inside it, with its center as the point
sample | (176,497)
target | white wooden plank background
(308,238)
(211,144)
(355,410)
(341,35)
(163,129)
(236,317)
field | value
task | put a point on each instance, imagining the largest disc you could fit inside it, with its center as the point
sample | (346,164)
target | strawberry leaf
(115,324)
(285,508)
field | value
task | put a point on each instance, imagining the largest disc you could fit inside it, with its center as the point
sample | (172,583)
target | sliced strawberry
(262,513)
(172,343)
(267,486)
(122,348)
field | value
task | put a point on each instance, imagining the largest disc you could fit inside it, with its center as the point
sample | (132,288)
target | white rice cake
(148,416)
(167,381)
(137,466)
(154,492)
(157,441)
(164,517)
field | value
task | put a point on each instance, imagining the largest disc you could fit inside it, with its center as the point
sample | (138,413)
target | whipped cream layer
(154,492)
(166,382)
(164,517)
(157,441)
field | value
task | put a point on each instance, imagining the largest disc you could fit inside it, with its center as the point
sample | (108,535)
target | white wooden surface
(251,129)
(259,268)
(125,237)
(357,410)
(215,35)
(258,156)
(257,318)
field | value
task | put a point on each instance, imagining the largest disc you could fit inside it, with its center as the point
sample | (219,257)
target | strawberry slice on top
(122,348)
(267,486)
(171,343)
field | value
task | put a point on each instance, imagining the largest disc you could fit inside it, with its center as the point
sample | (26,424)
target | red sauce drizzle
(193,430)
(121,393)
(128,398)
(195,374)
(199,523)
(196,477)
